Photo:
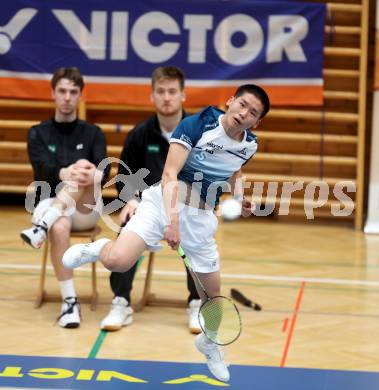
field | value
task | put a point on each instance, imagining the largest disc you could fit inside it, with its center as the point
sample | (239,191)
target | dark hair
(71,73)
(168,72)
(258,92)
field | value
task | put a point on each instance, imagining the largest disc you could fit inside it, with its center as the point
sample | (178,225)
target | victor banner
(117,44)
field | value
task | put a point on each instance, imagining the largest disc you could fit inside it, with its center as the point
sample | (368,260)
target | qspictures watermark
(267,196)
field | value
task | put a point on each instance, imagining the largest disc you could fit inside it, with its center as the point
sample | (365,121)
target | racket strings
(220,320)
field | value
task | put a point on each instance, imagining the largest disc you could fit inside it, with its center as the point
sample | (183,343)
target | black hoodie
(145,147)
(55,145)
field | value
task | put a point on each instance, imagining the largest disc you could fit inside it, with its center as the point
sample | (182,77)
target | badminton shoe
(193,316)
(120,314)
(35,236)
(80,254)
(70,313)
(214,356)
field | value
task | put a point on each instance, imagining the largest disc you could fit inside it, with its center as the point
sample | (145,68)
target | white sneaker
(120,314)
(70,313)
(80,254)
(35,236)
(193,316)
(215,357)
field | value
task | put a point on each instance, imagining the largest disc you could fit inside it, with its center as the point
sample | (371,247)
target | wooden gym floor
(318,285)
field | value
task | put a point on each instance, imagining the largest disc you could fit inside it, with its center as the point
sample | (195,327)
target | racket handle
(181,253)
(239,297)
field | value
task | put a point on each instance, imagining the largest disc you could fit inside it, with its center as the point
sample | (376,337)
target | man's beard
(169,112)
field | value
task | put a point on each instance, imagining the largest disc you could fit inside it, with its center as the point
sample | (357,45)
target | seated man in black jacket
(64,152)
(146,146)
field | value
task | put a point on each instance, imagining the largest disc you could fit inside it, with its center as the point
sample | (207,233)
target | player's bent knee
(117,262)
(61,228)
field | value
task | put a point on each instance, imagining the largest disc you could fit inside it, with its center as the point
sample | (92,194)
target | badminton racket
(219,317)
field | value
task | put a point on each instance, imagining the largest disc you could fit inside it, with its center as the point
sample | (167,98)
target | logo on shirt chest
(211,147)
(153,148)
(242,151)
(52,148)
(211,126)
(79,146)
(200,155)
(214,146)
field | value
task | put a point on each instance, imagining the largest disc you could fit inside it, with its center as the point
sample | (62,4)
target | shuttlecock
(230,209)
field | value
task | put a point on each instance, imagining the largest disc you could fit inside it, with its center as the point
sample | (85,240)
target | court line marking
(98,343)
(308,263)
(292,325)
(285,324)
(290,279)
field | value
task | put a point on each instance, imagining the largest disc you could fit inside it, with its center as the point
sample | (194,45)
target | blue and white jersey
(214,156)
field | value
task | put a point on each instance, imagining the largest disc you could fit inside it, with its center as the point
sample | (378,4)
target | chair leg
(42,296)
(41,289)
(94,288)
(146,290)
(94,295)
(149,299)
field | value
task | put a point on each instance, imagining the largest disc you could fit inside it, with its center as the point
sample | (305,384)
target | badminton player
(206,153)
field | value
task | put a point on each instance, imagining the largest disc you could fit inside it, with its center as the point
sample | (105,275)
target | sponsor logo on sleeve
(186,139)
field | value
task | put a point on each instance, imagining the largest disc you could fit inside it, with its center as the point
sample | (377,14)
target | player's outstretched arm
(176,158)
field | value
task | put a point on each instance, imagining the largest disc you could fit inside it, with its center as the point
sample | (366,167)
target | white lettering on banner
(10,31)
(119,35)
(254,39)
(284,36)
(198,25)
(93,41)
(140,37)
(285,32)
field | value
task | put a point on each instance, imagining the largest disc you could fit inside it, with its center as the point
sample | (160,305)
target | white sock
(50,217)
(67,288)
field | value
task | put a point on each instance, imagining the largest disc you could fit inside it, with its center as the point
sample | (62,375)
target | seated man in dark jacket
(65,152)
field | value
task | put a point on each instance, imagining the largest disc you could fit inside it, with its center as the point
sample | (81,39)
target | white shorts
(80,221)
(197,229)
